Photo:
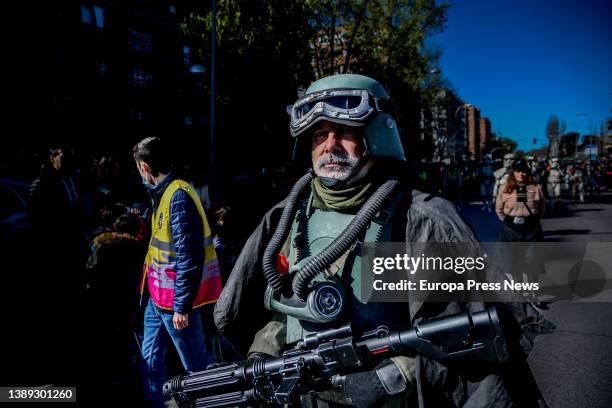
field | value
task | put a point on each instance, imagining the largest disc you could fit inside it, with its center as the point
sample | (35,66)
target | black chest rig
(335,295)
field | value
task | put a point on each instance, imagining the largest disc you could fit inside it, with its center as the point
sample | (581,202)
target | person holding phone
(519,205)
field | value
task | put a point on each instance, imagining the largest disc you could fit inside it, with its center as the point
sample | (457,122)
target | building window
(140,79)
(137,115)
(172,9)
(102,68)
(99,16)
(140,42)
(188,121)
(86,15)
(92,15)
(104,113)
(186,55)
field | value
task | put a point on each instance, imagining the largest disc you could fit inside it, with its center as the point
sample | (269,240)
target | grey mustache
(333,159)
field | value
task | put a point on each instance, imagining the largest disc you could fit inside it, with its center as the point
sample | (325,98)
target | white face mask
(345,166)
(143,175)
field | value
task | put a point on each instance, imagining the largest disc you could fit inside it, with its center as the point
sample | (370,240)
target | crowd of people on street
(94,221)
(468,182)
(90,221)
(95,225)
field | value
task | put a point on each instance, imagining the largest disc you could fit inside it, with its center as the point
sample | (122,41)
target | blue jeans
(189,343)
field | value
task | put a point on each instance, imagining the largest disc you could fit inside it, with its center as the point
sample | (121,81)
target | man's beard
(345,164)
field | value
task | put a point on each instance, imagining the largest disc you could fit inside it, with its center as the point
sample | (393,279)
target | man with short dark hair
(181,269)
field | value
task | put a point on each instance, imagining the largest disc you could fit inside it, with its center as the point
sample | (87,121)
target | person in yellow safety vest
(181,271)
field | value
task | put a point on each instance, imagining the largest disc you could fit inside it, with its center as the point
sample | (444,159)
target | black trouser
(530,231)
(522,257)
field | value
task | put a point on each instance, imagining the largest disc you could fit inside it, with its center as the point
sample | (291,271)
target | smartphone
(521,194)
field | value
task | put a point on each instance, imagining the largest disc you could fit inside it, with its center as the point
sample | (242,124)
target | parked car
(13,202)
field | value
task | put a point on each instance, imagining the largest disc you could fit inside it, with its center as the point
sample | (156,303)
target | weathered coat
(240,313)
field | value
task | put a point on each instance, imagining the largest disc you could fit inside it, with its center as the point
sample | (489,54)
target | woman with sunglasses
(519,205)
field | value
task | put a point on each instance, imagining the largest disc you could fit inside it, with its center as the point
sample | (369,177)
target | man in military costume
(357,159)
(553,183)
(487,183)
(578,176)
(501,174)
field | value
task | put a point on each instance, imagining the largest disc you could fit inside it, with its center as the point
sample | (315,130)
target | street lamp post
(213,53)
(198,73)
(465,131)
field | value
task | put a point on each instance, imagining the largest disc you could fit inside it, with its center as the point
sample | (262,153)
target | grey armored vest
(312,230)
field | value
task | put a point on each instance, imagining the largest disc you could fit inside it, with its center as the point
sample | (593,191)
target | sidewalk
(573,365)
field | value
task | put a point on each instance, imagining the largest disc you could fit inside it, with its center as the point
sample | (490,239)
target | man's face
(143,170)
(336,150)
(57,159)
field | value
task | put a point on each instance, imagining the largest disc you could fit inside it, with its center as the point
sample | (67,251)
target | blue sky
(522,61)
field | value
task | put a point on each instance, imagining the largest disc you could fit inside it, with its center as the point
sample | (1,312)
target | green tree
(263,56)
(384,39)
(509,145)
(269,48)
(539,152)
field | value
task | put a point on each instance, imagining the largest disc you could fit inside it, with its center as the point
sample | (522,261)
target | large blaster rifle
(320,357)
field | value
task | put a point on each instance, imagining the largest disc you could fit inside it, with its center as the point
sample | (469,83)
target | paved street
(572,366)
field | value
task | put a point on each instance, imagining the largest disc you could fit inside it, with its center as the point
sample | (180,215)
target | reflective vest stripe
(166,246)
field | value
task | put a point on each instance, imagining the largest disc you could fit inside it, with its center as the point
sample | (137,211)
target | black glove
(257,355)
(373,388)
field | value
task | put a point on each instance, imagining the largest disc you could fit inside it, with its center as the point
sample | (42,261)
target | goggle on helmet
(352,100)
(352,107)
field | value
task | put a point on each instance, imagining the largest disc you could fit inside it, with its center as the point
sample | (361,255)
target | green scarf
(340,200)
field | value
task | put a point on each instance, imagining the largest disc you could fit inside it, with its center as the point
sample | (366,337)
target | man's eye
(320,135)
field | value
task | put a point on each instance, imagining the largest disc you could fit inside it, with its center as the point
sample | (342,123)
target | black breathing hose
(280,235)
(343,242)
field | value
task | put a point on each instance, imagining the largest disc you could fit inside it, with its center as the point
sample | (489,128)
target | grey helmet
(352,100)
